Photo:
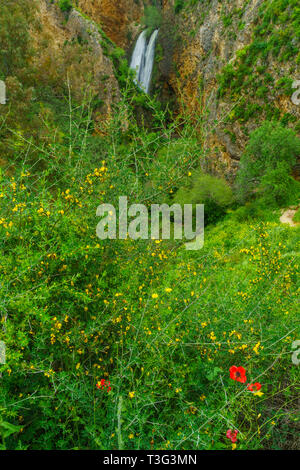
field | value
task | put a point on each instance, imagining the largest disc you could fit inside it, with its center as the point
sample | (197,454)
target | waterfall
(138,55)
(143,59)
(146,71)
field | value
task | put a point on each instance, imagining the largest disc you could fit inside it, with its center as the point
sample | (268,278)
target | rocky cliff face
(119,19)
(235,61)
(70,48)
(232,62)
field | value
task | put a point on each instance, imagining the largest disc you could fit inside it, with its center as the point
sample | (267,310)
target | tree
(15,48)
(266,164)
(206,189)
(152,18)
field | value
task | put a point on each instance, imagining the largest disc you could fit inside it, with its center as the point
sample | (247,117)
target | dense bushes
(209,190)
(65,5)
(16,49)
(249,79)
(152,18)
(178,6)
(162,324)
(267,162)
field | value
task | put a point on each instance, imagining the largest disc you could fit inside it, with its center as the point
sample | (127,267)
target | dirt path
(287,216)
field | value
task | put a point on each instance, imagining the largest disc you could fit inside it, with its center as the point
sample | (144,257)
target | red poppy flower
(232,435)
(103,384)
(238,374)
(254,387)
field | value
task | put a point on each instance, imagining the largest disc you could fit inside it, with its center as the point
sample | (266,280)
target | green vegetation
(65,5)
(297,216)
(15,49)
(267,163)
(205,189)
(127,344)
(179,5)
(276,35)
(153,18)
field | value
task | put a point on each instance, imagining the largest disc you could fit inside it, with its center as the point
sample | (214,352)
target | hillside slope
(139,343)
(235,61)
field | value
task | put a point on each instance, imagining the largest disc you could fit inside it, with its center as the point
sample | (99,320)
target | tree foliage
(209,190)
(15,47)
(152,18)
(266,164)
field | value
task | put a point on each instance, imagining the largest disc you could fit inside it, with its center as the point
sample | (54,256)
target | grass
(128,344)
(296,217)
(163,325)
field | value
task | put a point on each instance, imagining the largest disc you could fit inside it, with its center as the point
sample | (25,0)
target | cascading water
(143,59)
(138,55)
(146,71)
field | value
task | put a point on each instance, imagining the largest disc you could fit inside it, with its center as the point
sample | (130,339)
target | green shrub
(65,5)
(162,324)
(266,164)
(227,21)
(153,18)
(297,216)
(16,49)
(205,189)
(277,186)
(178,6)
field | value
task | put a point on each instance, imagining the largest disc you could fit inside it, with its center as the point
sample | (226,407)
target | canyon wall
(233,62)
(119,19)
(230,64)
(70,48)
